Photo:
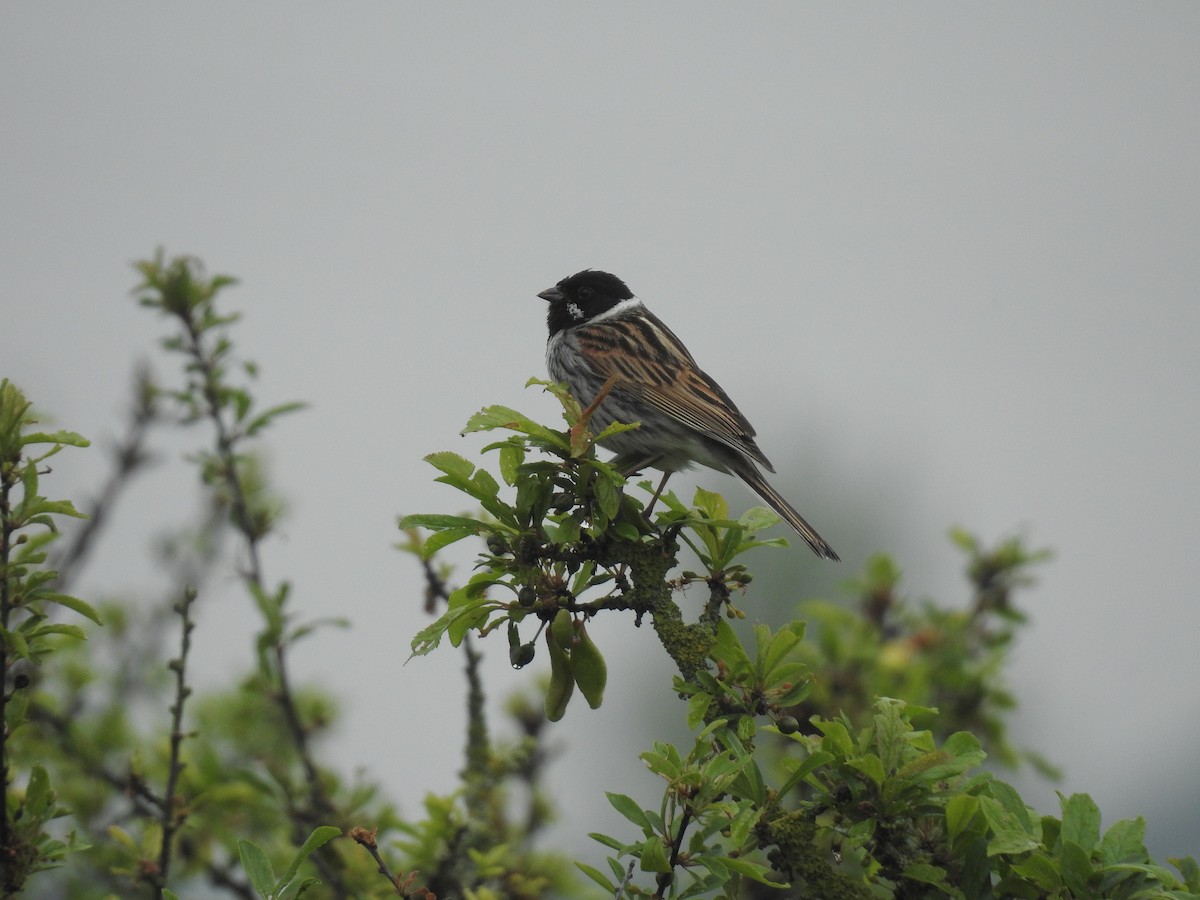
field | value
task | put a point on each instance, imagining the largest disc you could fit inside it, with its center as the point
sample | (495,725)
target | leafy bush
(839,763)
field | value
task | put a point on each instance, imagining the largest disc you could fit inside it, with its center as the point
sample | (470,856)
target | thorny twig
(171,817)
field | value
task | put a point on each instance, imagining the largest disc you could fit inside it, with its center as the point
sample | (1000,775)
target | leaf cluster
(804,778)
(28,634)
(829,759)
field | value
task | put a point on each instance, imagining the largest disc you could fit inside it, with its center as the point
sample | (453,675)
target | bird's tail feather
(759,485)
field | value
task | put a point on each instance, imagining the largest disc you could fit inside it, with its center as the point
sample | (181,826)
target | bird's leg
(654,498)
(629,465)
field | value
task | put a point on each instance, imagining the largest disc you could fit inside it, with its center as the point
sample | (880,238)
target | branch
(170,819)
(190,300)
(129,456)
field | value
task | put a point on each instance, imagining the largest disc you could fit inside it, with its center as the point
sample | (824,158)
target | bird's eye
(585,292)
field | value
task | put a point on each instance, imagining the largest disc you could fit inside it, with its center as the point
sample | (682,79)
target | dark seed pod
(527,596)
(521,656)
(787,724)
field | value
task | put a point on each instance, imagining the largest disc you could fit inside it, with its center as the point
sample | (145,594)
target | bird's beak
(551,294)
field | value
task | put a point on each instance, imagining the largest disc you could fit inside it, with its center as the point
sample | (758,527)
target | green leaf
(1008,797)
(610,842)
(492,417)
(436,522)
(665,765)
(629,808)
(1009,835)
(804,769)
(654,856)
(257,867)
(44,507)
(69,630)
(697,709)
(298,888)
(1124,842)
(925,873)
(1189,869)
(712,504)
(607,496)
(1080,820)
(836,738)
(728,649)
(749,869)
(616,428)
(511,457)
(1076,868)
(870,765)
(16,643)
(1160,874)
(436,542)
(264,418)
(39,798)
(75,604)
(960,810)
(485,482)
(451,463)
(597,876)
(758,518)
(1041,870)
(780,646)
(67,438)
(320,836)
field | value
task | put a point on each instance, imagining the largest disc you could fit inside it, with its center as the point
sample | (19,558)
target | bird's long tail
(759,485)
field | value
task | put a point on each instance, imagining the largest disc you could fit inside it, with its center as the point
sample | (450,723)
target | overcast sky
(944,256)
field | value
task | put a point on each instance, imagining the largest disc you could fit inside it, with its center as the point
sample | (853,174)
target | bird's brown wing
(648,362)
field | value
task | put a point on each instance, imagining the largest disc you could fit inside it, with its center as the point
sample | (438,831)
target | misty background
(944,256)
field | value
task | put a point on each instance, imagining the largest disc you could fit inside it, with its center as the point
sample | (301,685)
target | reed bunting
(601,333)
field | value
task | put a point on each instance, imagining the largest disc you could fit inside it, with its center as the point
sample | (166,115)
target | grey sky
(944,256)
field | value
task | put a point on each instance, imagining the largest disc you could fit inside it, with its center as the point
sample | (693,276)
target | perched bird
(601,333)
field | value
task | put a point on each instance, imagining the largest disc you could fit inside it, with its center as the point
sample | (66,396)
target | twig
(144,803)
(402,884)
(129,456)
(435,588)
(626,881)
(170,819)
(665,879)
(211,390)
(478,746)
(365,838)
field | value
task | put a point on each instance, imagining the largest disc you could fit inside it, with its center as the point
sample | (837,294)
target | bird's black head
(582,297)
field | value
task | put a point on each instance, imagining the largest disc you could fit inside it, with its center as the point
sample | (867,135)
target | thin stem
(129,455)
(665,879)
(321,805)
(225,443)
(477,753)
(366,839)
(169,819)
